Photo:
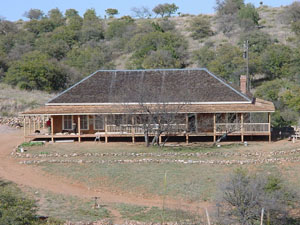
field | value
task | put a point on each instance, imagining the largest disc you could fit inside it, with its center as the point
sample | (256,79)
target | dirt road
(31,176)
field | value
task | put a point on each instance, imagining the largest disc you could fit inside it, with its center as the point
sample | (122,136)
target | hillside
(53,51)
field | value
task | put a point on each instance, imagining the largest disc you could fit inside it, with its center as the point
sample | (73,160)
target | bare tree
(142,12)
(244,196)
(159,119)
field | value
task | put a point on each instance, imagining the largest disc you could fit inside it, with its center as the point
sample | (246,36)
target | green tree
(92,28)
(118,28)
(111,12)
(228,7)
(55,48)
(296,27)
(165,9)
(258,40)
(228,62)
(40,26)
(204,56)
(248,17)
(91,58)
(34,14)
(35,70)
(70,36)
(145,46)
(74,21)
(276,60)
(200,27)
(56,16)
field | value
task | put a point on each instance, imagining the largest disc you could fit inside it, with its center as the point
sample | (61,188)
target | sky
(14,9)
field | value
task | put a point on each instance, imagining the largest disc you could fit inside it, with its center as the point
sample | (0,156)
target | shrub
(244,196)
(35,71)
(276,60)
(258,40)
(248,17)
(200,27)
(166,44)
(14,208)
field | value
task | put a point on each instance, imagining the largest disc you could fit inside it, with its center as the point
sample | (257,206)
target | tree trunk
(147,139)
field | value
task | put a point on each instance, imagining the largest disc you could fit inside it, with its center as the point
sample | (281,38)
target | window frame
(102,122)
(87,120)
(63,122)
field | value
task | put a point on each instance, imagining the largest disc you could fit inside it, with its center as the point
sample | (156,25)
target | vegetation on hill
(49,52)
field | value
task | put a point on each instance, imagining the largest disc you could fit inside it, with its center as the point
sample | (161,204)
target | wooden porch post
(132,129)
(43,120)
(105,122)
(270,135)
(24,126)
(215,129)
(79,137)
(29,125)
(52,129)
(34,124)
(242,127)
(186,128)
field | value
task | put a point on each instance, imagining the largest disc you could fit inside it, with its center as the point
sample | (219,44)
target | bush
(248,17)
(88,59)
(228,62)
(14,208)
(228,7)
(204,56)
(118,28)
(244,196)
(258,40)
(200,28)
(167,45)
(35,70)
(276,60)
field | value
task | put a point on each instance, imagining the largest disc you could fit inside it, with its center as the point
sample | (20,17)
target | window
(98,122)
(84,122)
(67,122)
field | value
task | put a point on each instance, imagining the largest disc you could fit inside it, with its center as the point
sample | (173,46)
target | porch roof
(258,105)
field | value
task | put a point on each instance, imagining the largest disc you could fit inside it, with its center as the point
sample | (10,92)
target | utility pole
(246,57)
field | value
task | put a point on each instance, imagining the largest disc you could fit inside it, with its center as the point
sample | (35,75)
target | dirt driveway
(31,176)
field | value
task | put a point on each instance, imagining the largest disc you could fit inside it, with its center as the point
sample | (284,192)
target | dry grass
(194,182)
(14,100)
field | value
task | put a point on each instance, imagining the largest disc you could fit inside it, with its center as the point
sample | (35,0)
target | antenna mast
(246,57)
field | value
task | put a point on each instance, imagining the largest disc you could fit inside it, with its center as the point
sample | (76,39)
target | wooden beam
(24,127)
(43,120)
(79,129)
(29,125)
(242,127)
(132,129)
(52,129)
(270,135)
(186,128)
(105,125)
(215,128)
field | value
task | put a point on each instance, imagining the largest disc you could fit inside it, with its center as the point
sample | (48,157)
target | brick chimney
(243,84)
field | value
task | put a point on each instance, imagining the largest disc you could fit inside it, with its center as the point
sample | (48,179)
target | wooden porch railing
(138,128)
(248,127)
(256,127)
(228,127)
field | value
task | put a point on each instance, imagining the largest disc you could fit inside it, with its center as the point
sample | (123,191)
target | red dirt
(24,175)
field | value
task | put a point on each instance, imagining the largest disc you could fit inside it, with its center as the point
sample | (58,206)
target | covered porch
(106,126)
